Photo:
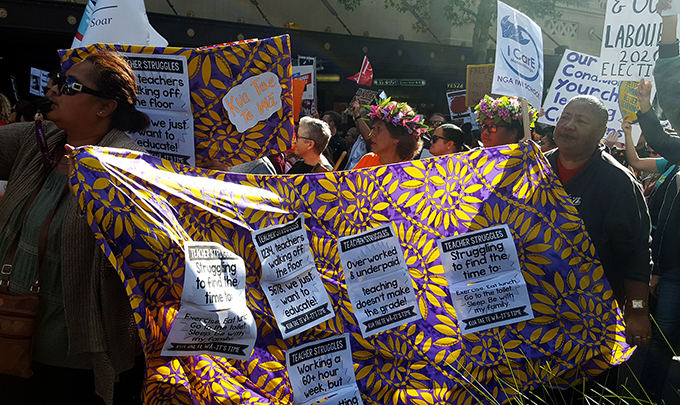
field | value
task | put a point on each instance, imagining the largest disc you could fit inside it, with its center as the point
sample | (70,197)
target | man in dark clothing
(337,144)
(612,207)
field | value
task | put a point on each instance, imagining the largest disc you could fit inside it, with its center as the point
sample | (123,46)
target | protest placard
(39,80)
(378,283)
(479,254)
(290,280)
(213,317)
(501,300)
(479,82)
(579,73)
(363,97)
(320,369)
(255,100)
(163,94)
(457,107)
(629,40)
(519,56)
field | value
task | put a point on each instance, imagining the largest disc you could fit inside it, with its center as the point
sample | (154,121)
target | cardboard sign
(502,300)
(290,280)
(378,283)
(578,73)
(519,56)
(629,40)
(479,82)
(255,100)
(320,369)
(214,317)
(163,94)
(478,255)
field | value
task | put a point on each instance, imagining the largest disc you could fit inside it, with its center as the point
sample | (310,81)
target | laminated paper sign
(321,369)
(486,285)
(378,283)
(213,318)
(290,280)
(163,94)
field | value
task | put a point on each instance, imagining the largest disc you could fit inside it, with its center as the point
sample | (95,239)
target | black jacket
(612,207)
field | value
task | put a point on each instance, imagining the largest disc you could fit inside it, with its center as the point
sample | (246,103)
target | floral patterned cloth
(141,209)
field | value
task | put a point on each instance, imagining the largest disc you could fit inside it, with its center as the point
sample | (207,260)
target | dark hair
(115,79)
(319,132)
(439,114)
(454,134)
(335,117)
(26,110)
(408,145)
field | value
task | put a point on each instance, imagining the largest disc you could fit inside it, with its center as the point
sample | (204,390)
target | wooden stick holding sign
(526,121)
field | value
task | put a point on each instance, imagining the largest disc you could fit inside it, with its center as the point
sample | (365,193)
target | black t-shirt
(300,168)
(336,146)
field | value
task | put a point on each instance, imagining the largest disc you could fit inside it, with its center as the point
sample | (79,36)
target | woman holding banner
(85,336)
(395,135)
(500,120)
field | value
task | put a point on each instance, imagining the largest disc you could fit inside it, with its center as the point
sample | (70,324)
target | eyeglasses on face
(70,86)
(491,128)
(436,123)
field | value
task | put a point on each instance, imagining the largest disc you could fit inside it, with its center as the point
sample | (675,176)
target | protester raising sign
(519,56)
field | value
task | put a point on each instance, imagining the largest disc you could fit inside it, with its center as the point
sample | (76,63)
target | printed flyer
(321,369)
(379,285)
(290,279)
(213,318)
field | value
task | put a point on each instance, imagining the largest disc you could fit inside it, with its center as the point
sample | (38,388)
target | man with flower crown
(610,201)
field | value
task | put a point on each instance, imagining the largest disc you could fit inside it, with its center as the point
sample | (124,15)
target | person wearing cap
(447,139)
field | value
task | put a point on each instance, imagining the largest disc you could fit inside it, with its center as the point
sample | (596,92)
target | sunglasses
(69,86)
(436,123)
(491,128)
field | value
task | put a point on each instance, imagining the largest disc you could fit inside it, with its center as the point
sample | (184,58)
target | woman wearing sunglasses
(85,336)
(500,120)
(395,135)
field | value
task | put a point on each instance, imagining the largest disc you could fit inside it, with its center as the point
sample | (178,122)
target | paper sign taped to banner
(255,100)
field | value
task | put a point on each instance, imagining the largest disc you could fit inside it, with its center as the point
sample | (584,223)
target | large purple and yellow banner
(213,72)
(142,209)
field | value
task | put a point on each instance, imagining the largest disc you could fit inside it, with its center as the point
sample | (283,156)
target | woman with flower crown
(395,134)
(500,120)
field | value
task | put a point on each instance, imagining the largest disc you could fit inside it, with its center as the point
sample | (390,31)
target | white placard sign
(163,94)
(320,369)
(229,333)
(378,283)
(632,30)
(39,80)
(214,317)
(252,101)
(290,280)
(478,255)
(579,73)
(306,73)
(519,56)
(501,300)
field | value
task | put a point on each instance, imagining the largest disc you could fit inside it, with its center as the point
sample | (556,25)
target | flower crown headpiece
(504,108)
(397,114)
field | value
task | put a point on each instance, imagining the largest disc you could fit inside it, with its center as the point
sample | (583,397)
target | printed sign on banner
(163,94)
(289,278)
(214,317)
(502,300)
(457,107)
(479,82)
(478,255)
(629,40)
(255,100)
(378,283)
(519,56)
(320,369)
(578,73)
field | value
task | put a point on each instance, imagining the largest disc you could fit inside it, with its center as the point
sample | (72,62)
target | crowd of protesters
(634,228)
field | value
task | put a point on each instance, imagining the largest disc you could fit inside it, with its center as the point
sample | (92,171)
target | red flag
(365,75)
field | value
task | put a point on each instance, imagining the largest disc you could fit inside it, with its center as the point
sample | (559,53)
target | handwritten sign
(378,283)
(163,94)
(629,40)
(322,368)
(479,82)
(289,278)
(214,317)
(502,300)
(255,100)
